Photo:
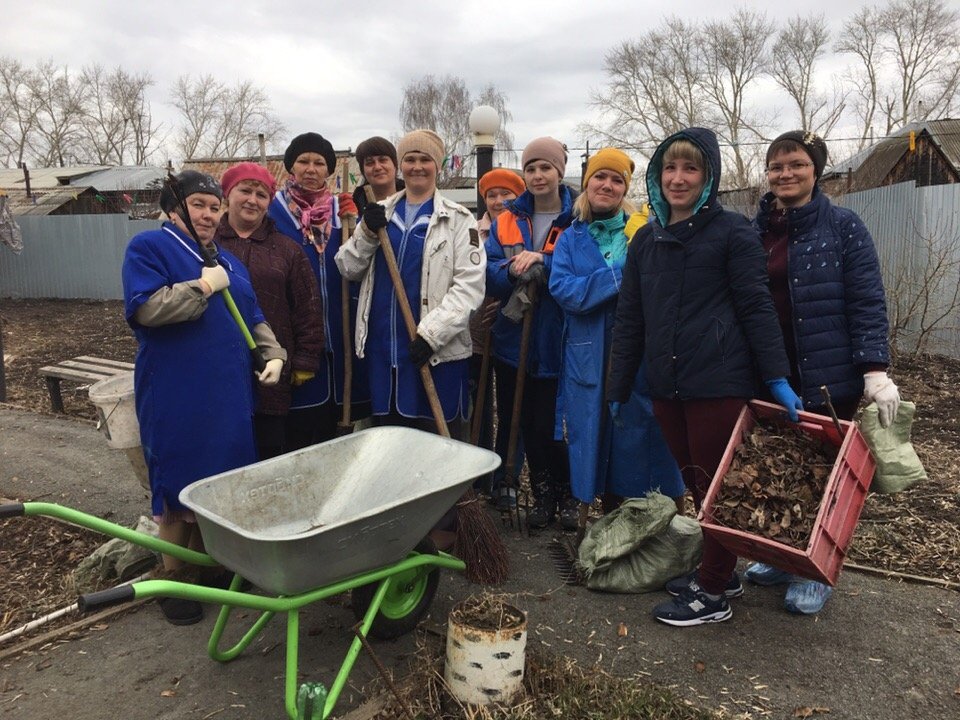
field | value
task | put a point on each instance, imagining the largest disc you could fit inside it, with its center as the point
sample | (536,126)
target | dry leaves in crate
(775,483)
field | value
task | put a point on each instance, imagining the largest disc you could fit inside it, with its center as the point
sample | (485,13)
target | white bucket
(485,666)
(116,410)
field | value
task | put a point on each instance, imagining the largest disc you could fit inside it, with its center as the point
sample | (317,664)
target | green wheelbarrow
(351,514)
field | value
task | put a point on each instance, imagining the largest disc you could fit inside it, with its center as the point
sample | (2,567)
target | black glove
(420,351)
(375,217)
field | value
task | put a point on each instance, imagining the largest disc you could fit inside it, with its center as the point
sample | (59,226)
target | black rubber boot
(569,511)
(544,510)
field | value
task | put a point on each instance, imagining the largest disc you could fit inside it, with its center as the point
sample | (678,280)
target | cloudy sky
(339,68)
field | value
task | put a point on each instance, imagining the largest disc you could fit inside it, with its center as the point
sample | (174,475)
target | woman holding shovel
(615,460)
(695,309)
(286,289)
(833,314)
(306,211)
(441,264)
(519,259)
(193,376)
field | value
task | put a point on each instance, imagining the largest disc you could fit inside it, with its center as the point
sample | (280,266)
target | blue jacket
(327,384)
(836,292)
(586,289)
(695,305)
(543,359)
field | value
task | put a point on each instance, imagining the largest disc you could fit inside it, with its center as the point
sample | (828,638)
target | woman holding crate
(828,292)
(695,308)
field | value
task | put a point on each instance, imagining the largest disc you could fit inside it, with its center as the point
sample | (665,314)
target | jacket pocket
(583,366)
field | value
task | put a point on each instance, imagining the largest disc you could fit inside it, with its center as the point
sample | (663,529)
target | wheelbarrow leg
(293,635)
(227,655)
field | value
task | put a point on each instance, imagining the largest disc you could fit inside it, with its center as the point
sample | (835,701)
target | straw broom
(478,543)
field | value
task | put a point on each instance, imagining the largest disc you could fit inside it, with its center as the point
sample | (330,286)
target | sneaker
(676,586)
(570,514)
(693,607)
(178,611)
(806,597)
(504,497)
(763,574)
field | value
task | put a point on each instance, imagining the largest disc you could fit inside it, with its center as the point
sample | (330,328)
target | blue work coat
(327,384)
(193,380)
(629,459)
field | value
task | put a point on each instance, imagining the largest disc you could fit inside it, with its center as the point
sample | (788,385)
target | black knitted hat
(310,142)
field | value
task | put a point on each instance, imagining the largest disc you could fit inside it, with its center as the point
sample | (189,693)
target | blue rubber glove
(615,413)
(784,395)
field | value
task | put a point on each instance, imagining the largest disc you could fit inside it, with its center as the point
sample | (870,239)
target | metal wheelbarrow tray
(347,515)
(330,511)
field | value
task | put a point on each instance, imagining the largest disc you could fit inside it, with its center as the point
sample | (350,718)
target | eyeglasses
(793,167)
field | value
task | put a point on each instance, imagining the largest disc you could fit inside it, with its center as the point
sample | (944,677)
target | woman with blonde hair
(628,458)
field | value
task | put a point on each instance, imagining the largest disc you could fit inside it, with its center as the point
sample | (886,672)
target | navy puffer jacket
(836,291)
(695,302)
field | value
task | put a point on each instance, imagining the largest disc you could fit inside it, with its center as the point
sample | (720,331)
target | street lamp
(484,124)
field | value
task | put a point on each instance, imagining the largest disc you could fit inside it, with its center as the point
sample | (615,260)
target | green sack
(898,466)
(639,546)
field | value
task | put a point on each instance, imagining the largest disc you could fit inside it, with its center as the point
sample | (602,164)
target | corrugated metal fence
(917,233)
(69,256)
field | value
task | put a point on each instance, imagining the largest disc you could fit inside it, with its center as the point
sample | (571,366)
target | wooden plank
(68,374)
(105,362)
(92,367)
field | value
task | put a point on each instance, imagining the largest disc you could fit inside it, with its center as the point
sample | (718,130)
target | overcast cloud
(339,68)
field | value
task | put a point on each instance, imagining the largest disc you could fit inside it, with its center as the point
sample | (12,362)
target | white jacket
(452,277)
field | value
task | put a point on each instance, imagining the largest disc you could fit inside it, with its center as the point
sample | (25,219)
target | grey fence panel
(69,256)
(917,233)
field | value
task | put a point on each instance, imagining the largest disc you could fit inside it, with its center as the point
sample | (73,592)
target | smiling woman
(285,285)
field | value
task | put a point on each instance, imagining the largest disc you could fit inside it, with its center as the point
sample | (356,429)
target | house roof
(43,202)
(216,167)
(126,178)
(944,133)
(46,178)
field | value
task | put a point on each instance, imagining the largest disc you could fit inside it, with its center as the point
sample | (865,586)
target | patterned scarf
(314,210)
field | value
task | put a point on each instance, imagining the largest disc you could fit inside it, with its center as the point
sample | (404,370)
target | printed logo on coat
(475,257)
(474,237)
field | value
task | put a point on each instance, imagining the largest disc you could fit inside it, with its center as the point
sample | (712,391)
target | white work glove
(215,278)
(271,373)
(879,388)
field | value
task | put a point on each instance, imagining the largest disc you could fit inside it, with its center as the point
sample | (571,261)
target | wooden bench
(84,369)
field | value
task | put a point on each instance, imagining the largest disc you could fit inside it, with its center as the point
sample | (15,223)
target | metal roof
(125,177)
(945,134)
(43,202)
(46,178)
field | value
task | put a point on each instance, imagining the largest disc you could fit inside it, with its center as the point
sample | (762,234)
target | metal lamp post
(484,124)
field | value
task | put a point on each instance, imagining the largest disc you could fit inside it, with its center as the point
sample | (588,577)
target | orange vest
(509,234)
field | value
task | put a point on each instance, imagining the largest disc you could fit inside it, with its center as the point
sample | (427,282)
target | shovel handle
(404,304)
(347,224)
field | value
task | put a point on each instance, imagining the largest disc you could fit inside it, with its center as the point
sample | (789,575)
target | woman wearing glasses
(826,285)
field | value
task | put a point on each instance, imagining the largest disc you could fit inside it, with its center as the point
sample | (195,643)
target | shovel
(347,224)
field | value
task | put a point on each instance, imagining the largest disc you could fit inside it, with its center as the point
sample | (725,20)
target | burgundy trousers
(697,432)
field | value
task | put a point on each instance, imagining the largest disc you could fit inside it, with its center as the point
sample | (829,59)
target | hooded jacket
(694,302)
(836,294)
(543,360)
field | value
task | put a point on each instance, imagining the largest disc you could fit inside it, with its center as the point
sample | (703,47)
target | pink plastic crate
(843,498)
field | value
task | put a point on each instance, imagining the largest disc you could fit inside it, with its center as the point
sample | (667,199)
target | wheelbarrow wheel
(406,601)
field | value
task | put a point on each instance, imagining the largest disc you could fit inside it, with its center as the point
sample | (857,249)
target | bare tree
(654,88)
(18,110)
(104,127)
(198,102)
(860,37)
(735,55)
(923,47)
(906,63)
(443,105)
(797,50)
(129,92)
(60,100)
